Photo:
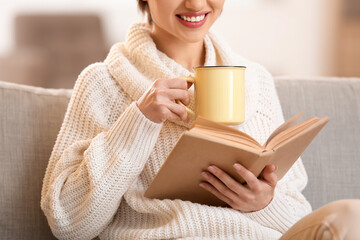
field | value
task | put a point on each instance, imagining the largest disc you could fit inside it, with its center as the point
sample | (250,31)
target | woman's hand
(158,103)
(253,196)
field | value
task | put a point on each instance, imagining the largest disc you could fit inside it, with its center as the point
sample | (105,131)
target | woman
(122,121)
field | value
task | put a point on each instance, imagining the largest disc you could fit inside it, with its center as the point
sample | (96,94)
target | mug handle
(188,110)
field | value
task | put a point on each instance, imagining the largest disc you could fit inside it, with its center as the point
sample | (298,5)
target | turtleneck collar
(136,63)
(142,48)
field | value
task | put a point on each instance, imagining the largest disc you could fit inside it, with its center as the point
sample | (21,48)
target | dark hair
(144,8)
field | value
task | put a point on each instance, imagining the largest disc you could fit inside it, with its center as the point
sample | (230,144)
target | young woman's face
(186,20)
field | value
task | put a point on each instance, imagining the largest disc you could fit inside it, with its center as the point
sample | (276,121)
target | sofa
(30,118)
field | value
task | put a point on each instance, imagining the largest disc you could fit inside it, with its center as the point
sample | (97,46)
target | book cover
(210,143)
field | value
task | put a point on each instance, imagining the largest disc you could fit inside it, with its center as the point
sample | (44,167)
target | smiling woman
(179,27)
(123,120)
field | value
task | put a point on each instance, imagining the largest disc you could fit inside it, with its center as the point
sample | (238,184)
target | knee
(336,220)
(349,209)
(344,217)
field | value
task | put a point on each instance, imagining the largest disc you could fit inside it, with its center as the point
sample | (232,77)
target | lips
(193,20)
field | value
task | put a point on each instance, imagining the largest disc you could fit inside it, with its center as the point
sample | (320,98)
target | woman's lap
(336,220)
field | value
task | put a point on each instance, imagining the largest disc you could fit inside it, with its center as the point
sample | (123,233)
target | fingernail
(205,175)
(237,166)
(212,169)
(276,168)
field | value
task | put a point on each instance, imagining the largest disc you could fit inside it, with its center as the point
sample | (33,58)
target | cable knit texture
(107,153)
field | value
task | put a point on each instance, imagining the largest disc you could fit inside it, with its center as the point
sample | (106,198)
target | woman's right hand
(158,102)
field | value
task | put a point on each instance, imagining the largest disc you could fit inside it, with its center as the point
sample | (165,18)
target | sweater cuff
(276,214)
(134,132)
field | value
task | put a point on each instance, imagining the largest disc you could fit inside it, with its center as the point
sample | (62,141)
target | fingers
(227,180)
(219,186)
(254,196)
(173,116)
(159,103)
(269,175)
(178,94)
(172,94)
(248,176)
(178,110)
(175,83)
(214,191)
(225,188)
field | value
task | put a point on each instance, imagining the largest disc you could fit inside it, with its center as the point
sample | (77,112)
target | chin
(193,37)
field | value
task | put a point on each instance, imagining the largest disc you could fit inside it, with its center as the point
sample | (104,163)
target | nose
(195,5)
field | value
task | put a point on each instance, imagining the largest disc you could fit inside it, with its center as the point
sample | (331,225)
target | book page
(289,150)
(227,136)
(290,132)
(205,123)
(237,134)
(289,123)
(222,129)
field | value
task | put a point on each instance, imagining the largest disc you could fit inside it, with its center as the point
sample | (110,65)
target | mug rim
(219,67)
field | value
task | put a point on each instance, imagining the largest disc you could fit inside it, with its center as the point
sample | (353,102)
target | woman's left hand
(256,194)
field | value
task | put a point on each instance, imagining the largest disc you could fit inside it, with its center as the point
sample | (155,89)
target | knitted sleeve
(288,205)
(103,145)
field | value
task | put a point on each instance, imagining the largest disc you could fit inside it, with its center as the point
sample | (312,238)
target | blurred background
(48,43)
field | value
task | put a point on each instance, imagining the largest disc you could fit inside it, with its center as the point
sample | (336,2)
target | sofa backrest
(31,118)
(29,122)
(332,160)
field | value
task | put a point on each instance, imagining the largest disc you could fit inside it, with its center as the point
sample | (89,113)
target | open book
(210,143)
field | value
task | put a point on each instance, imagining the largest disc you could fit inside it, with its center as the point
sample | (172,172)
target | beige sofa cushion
(332,160)
(29,122)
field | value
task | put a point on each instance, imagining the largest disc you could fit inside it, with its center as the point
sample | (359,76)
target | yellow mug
(219,93)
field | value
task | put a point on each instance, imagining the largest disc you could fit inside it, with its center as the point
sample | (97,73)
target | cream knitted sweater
(107,153)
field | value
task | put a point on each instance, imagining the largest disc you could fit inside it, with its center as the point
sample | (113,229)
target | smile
(192,20)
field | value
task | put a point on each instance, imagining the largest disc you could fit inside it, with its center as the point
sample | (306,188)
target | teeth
(193,19)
